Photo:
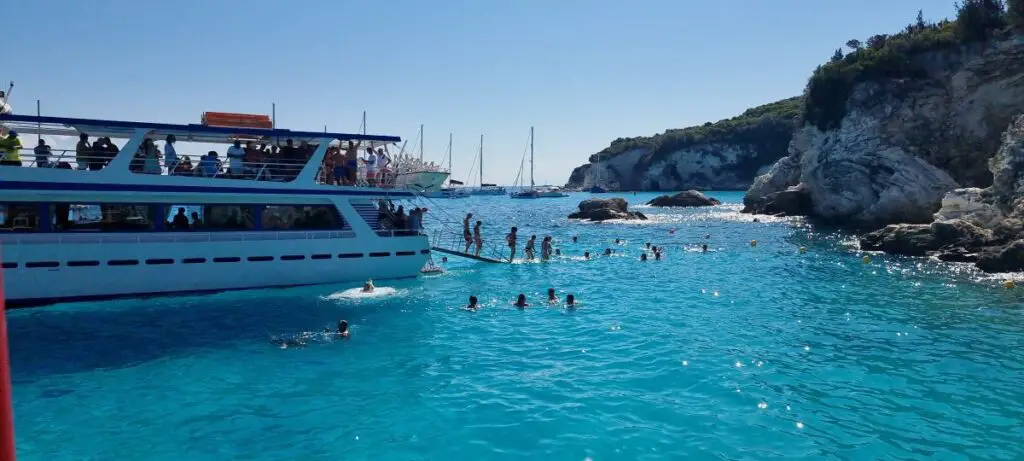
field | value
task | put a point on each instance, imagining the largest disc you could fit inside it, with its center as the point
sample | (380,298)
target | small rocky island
(690,198)
(605,209)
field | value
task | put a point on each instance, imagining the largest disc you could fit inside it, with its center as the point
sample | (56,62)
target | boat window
(19,217)
(301,217)
(193,217)
(228,217)
(106,217)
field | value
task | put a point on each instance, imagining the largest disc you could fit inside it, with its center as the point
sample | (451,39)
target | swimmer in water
(617,241)
(607,251)
(368,287)
(643,256)
(558,252)
(648,245)
(343,328)
(707,236)
(575,238)
(570,301)
(586,255)
(704,248)
(657,256)
(521,301)
(444,259)
(472,304)
(551,296)
(285,343)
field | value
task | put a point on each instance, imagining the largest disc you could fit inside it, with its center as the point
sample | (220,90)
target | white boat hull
(89,266)
(421,181)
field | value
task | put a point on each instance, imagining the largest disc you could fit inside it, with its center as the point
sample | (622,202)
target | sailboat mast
(449,157)
(531,158)
(364,123)
(421,142)
(481,160)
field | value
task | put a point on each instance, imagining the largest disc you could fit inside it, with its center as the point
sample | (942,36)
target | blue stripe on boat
(100,187)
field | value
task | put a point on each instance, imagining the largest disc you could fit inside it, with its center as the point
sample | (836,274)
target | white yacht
(485,188)
(112,221)
(534,191)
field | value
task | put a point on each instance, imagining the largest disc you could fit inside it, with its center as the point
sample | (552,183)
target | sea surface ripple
(742,353)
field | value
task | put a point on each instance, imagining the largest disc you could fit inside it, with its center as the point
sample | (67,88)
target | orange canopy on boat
(227,119)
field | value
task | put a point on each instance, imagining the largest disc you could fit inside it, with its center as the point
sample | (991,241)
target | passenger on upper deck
(352,163)
(42,152)
(236,159)
(82,151)
(371,166)
(10,149)
(150,157)
(208,165)
(4,107)
(170,155)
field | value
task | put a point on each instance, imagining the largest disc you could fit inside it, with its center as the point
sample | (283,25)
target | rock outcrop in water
(984,226)
(690,198)
(726,155)
(605,209)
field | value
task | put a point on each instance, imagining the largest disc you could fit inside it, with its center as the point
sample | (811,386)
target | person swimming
(343,328)
(472,304)
(586,255)
(570,301)
(575,238)
(368,286)
(704,248)
(657,256)
(643,256)
(285,343)
(521,301)
(617,241)
(558,252)
(551,296)
(607,251)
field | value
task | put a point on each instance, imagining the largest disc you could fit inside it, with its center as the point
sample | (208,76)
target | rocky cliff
(726,155)
(891,150)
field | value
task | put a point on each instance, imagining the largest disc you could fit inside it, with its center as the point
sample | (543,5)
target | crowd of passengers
(390,217)
(264,162)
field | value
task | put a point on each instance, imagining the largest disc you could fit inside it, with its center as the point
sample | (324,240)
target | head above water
(342,326)
(521,299)
(515,229)
(643,256)
(472,300)
(570,299)
(551,293)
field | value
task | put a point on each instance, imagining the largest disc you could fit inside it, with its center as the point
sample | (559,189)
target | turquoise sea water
(743,353)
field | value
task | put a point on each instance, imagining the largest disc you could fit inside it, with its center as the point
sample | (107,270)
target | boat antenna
(364,123)
(481,155)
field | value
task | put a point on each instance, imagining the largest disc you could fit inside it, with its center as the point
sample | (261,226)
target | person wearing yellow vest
(10,149)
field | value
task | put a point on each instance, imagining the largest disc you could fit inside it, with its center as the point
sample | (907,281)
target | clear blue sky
(584,72)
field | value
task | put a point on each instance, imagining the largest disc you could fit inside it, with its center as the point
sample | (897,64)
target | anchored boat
(116,217)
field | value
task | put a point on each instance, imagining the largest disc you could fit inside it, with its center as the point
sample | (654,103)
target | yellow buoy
(866,259)
(803,250)
(1009,284)
(753,243)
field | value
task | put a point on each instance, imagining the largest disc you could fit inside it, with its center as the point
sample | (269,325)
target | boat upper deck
(265,158)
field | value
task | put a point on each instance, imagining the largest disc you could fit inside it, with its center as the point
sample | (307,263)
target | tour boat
(96,225)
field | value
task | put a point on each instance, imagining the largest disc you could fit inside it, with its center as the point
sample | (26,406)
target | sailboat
(534,191)
(486,189)
(449,192)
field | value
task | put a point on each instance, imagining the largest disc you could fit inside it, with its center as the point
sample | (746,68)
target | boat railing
(75,238)
(272,170)
(456,242)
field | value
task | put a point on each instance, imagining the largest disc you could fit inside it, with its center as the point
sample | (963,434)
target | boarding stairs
(453,243)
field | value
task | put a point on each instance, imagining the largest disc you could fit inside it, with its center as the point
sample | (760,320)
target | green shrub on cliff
(891,56)
(758,125)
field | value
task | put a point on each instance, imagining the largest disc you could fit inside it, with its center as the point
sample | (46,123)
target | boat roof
(67,126)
